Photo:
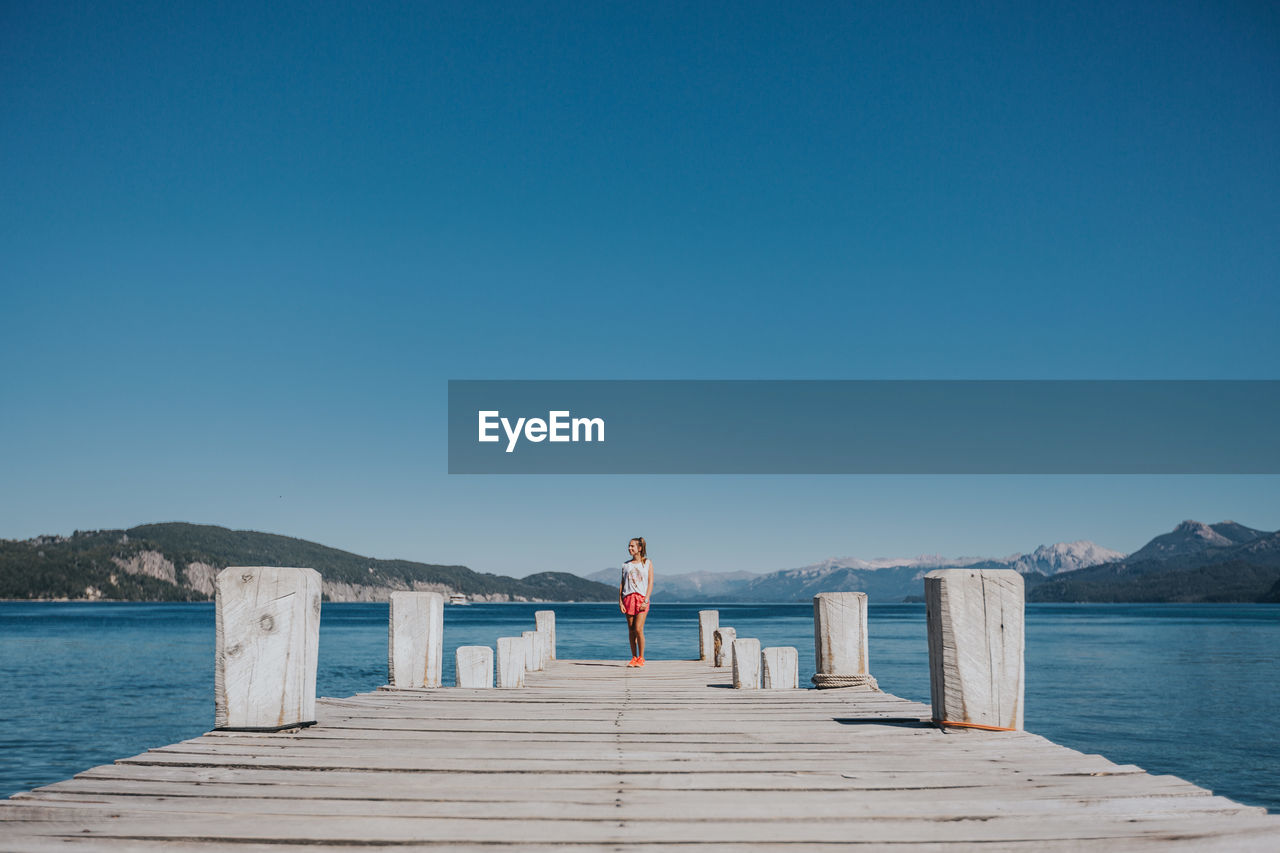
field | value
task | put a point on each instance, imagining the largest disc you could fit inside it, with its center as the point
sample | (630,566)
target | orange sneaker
(633,662)
(639,661)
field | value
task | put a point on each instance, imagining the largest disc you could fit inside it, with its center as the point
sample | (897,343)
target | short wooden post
(415,645)
(780,668)
(534,643)
(546,622)
(723,646)
(265,649)
(975,646)
(708,621)
(511,661)
(543,641)
(473,666)
(840,640)
(746,664)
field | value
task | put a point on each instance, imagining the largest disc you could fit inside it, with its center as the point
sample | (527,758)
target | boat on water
(458,598)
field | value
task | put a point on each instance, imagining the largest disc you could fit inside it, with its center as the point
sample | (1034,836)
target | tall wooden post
(840,640)
(746,664)
(511,661)
(546,622)
(415,643)
(723,639)
(708,621)
(976,642)
(265,650)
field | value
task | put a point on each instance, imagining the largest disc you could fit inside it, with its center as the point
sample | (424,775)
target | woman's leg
(639,642)
(631,634)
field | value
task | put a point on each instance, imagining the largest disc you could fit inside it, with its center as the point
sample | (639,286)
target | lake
(1186,689)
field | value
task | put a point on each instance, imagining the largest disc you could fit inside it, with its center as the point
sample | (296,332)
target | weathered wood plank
(498,829)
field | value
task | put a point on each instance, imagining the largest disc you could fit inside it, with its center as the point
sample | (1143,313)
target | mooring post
(415,642)
(976,647)
(708,621)
(531,656)
(723,646)
(534,650)
(473,666)
(746,664)
(265,649)
(840,641)
(780,668)
(546,622)
(511,661)
(543,642)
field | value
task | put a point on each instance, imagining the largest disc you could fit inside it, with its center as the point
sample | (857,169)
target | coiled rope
(826,681)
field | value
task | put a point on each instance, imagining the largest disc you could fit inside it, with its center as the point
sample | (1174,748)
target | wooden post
(546,622)
(265,650)
(723,646)
(780,668)
(534,645)
(415,646)
(840,640)
(708,621)
(511,661)
(473,666)
(543,641)
(975,646)
(746,664)
(530,651)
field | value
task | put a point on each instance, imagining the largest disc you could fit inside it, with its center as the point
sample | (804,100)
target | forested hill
(178,561)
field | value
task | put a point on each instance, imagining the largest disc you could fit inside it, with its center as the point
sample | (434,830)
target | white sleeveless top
(635,578)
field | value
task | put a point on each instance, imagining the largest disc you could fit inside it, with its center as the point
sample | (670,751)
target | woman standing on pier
(633,596)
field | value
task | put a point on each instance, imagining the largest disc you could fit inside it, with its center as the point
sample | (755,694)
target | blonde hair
(644,553)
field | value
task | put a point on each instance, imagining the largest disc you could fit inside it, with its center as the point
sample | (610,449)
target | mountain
(888,584)
(1272,596)
(1063,557)
(178,562)
(1194,562)
(929,561)
(606,576)
(1192,537)
(691,586)
(883,579)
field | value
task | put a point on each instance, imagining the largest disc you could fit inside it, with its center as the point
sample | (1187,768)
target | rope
(826,681)
(941,723)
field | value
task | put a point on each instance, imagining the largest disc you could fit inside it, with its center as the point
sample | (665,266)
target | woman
(633,596)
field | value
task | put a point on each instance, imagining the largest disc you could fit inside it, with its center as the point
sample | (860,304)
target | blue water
(1181,689)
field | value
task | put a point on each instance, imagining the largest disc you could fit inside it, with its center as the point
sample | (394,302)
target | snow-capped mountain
(883,578)
(1047,560)
(1063,557)
(927,561)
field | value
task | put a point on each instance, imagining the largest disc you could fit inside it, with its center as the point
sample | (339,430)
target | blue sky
(245,249)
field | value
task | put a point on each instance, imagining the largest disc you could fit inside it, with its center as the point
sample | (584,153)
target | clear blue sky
(244,249)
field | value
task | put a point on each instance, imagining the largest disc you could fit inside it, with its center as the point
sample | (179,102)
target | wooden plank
(731,805)
(498,829)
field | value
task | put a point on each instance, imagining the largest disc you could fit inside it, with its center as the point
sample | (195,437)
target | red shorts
(634,603)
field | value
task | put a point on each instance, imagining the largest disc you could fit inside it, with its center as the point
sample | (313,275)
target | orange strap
(941,723)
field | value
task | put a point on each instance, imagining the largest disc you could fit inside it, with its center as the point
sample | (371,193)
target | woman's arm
(621,586)
(648,593)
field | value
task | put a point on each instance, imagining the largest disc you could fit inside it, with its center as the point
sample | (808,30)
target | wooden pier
(592,755)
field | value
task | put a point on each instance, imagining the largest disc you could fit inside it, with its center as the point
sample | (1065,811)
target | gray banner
(863,427)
